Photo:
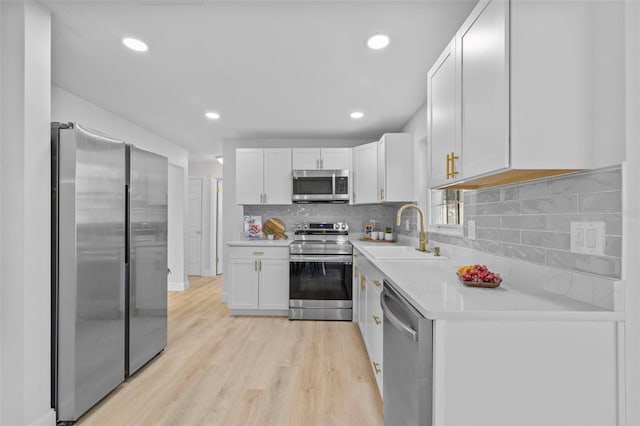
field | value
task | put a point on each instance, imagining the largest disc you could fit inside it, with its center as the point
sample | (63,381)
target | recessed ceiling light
(219,158)
(357,114)
(135,44)
(378,41)
(212,115)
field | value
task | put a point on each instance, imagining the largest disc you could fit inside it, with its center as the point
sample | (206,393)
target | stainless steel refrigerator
(109,264)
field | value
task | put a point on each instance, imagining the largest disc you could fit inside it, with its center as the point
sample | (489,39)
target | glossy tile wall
(531,221)
(356,216)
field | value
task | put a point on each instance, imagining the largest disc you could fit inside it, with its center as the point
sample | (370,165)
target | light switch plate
(587,237)
(471,229)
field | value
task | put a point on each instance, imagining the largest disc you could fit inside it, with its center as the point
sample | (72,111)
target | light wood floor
(224,370)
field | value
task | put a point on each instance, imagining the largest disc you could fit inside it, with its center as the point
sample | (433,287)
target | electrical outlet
(587,237)
(471,229)
(406,224)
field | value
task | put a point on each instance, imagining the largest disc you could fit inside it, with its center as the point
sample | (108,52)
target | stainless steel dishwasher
(408,361)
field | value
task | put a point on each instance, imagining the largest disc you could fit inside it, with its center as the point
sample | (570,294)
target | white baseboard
(47,419)
(261,312)
(173,286)
(208,273)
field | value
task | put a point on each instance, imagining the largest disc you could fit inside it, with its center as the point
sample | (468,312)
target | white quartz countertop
(259,243)
(433,288)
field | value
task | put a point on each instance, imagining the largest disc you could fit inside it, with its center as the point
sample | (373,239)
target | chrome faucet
(423,235)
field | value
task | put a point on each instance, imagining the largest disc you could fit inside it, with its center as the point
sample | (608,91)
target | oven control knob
(344,226)
(336,226)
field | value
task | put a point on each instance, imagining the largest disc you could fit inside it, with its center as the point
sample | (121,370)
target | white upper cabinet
(442,115)
(263,176)
(484,89)
(249,176)
(395,168)
(321,158)
(277,176)
(306,158)
(336,158)
(365,174)
(528,102)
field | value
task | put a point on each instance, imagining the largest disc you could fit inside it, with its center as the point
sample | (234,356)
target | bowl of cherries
(478,276)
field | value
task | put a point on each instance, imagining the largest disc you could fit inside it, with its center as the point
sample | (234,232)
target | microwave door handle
(333,185)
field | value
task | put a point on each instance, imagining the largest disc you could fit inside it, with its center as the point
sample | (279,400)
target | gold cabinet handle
(381,194)
(255,265)
(322,163)
(354,197)
(377,319)
(258,253)
(355,273)
(376,367)
(377,283)
(259,265)
(453,157)
(362,282)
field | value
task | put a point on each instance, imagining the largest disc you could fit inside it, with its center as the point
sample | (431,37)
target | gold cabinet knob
(377,319)
(377,283)
(376,367)
(363,280)
(198,232)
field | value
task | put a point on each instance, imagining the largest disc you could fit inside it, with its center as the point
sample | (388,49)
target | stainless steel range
(320,279)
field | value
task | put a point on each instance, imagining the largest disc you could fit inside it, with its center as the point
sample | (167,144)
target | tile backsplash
(531,221)
(356,216)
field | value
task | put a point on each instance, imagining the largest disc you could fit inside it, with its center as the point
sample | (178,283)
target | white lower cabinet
(259,280)
(369,315)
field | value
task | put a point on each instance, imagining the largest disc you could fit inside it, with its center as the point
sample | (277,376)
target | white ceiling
(286,69)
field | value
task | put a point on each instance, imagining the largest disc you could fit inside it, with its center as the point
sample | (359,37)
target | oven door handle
(298,258)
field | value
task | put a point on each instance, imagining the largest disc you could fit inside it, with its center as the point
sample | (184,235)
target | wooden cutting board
(278,228)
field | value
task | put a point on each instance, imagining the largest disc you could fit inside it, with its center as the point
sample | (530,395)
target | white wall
(231,212)
(25,188)
(200,168)
(68,107)
(176,232)
(417,126)
(631,211)
(209,171)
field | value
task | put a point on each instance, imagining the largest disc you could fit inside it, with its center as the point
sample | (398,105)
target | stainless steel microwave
(320,186)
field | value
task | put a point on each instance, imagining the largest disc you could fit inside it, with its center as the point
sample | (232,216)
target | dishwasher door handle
(394,320)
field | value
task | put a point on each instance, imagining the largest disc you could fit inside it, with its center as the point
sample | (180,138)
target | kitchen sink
(399,253)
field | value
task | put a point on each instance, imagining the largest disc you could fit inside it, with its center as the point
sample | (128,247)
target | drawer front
(259,252)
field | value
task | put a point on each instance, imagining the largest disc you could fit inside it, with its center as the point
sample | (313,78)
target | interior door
(194,228)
